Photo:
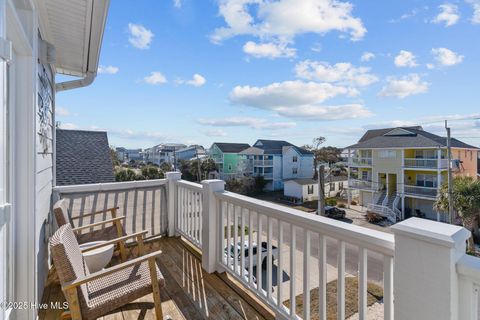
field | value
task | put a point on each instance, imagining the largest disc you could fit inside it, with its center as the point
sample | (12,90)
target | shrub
(331,202)
(341,205)
(353,203)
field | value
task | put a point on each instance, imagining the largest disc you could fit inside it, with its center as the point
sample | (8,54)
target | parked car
(334,213)
(254,252)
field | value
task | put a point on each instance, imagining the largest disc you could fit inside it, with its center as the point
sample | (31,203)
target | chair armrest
(105,272)
(95,213)
(99,223)
(116,240)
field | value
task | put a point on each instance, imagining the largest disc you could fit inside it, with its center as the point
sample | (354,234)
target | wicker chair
(91,295)
(111,228)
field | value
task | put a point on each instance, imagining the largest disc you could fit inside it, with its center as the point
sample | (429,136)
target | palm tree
(466,201)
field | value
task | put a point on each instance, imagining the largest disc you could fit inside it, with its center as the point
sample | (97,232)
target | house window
(340,185)
(427,180)
(365,175)
(387,154)
(310,189)
(294,170)
(295,159)
(425,154)
(229,167)
(332,186)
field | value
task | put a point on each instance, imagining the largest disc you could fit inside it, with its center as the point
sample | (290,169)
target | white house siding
(365,198)
(304,164)
(292,189)
(44,168)
(387,165)
(277,183)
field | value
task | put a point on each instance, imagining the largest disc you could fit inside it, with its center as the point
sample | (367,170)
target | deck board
(190,292)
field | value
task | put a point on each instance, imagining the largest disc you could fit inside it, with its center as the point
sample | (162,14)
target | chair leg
(74,306)
(155,288)
(121,244)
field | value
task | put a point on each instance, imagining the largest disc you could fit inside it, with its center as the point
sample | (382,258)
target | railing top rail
(420,187)
(367,238)
(421,158)
(469,267)
(111,186)
(189,185)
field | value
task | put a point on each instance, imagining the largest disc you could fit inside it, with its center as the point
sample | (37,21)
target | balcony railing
(427,163)
(294,248)
(263,163)
(360,162)
(360,184)
(420,191)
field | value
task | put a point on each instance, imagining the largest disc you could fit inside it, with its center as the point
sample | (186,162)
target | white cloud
(299,99)
(177,3)
(140,37)
(254,123)
(405,59)
(403,87)
(197,80)
(342,73)
(108,69)
(268,50)
(215,133)
(155,78)
(67,126)
(367,56)
(320,112)
(284,19)
(62,112)
(405,16)
(287,93)
(446,57)
(448,15)
(475,19)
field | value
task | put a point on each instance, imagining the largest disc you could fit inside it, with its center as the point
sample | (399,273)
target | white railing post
(172,177)
(209,223)
(425,276)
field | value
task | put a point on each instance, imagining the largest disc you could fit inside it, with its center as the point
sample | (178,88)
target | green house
(226,156)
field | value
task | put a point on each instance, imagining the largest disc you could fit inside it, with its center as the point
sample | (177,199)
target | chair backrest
(68,259)
(60,209)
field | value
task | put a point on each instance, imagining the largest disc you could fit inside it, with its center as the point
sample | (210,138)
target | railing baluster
(195,217)
(229,236)
(269,258)
(341,280)
(179,208)
(235,239)
(306,276)
(279,264)
(388,287)
(200,217)
(242,240)
(222,208)
(250,247)
(190,213)
(362,283)
(293,245)
(259,252)
(322,276)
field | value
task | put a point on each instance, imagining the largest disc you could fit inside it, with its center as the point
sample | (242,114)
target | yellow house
(397,172)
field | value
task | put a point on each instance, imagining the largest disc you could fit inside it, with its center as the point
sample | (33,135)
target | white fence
(143,203)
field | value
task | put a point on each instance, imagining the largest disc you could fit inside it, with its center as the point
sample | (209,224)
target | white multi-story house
(276,161)
(126,155)
(164,152)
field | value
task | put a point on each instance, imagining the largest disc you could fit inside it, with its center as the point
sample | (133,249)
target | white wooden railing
(383,211)
(426,163)
(263,163)
(358,161)
(421,191)
(287,235)
(360,184)
(189,211)
(143,203)
(295,247)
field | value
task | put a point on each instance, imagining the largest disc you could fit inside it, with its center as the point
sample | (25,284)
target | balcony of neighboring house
(263,163)
(422,184)
(360,184)
(420,191)
(428,159)
(360,161)
(225,255)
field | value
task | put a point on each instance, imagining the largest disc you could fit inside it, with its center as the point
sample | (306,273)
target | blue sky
(237,70)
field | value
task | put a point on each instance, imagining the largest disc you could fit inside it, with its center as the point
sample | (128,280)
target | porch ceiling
(75,28)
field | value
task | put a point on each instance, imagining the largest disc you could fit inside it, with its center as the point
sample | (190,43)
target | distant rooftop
(405,137)
(231,147)
(83,157)
(276,146)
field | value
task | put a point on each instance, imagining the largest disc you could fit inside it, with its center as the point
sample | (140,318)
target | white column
(425,277)
(172,177)
(349,195)
(209,223)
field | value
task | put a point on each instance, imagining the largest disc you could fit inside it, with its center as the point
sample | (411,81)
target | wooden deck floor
(190,292)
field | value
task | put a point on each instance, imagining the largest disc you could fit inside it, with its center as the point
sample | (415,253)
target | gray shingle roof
(231,147)
(83,157)
(275,146)
(418,138)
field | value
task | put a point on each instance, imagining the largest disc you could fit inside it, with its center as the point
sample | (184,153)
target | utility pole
(449,178)
(321,190)
(198,165)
